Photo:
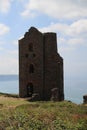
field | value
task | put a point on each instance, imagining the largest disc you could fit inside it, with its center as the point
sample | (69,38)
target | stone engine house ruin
(40,66)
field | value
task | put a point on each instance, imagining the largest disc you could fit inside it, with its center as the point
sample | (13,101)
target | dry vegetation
(19,114)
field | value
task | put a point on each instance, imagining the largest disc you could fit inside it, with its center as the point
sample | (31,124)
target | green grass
(19,114)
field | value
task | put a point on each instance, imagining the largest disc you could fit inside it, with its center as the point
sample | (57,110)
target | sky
(68,18)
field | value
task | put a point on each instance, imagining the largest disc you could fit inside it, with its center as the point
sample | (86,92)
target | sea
(73,91)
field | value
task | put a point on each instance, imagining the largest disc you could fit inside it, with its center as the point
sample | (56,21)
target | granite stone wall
(40,65)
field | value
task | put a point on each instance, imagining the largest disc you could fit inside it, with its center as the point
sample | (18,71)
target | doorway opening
(29,89)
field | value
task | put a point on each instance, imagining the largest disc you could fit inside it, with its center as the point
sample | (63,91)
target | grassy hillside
(19,114)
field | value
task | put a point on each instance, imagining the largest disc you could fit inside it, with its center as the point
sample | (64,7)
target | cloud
(9,62)
(15,42)
(76,41)
(8,65)
(69,36)
(4,29)
(8,57)
(1,48)
(78,28)
(74,33)
(62,9)
(55,27)
(5,6)
(29,10)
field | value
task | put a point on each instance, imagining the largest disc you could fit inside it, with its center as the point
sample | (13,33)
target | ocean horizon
(73,91)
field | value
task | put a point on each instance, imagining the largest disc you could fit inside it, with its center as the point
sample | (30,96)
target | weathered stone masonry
(40,66)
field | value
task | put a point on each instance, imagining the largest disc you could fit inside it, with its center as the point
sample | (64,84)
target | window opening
(26,55)
(34,55)
(31,68)
(30,47)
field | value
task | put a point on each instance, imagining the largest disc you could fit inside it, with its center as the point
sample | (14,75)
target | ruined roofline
(33,29)
(59,55)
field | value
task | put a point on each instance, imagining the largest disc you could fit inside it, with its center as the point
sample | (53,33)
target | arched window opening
(30,47)
(26,55)
(31,68)
(34,55)
(29,89)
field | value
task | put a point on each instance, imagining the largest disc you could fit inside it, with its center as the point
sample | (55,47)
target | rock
(35,97)
(85,99)
(54,96)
